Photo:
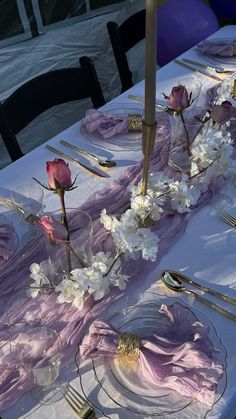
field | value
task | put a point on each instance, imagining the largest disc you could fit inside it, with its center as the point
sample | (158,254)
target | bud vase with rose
(188,125)
(68,230)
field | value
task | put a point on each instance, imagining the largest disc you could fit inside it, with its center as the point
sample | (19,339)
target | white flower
(147,205)
(41,274)
(158,182)
(208,146)
(183,196)
(108,222)
(225,89)
(70,293)
(99,287)
(129,220)
(150,204)
(148,244)
(92,280)
(118,279)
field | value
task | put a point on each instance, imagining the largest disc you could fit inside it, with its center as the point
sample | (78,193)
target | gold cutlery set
(96,172)
(197,70)
(228,218)
(174,281)
(79,404)
(187,63)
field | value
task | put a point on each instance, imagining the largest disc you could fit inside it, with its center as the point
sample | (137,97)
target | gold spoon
(174,283)
(101,162)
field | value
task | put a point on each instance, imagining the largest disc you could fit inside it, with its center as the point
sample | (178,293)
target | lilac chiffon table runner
(71,323)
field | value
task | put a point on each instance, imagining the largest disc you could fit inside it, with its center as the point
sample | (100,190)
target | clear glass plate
(226,62)
(118,387)
(129,141)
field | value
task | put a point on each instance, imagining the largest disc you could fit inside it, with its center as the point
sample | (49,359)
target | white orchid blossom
(70,292)
(183,195)
(42,275)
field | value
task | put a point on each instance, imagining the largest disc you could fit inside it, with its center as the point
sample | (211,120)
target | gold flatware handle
(77,162)
(141,100)
(210,304)
(80,150)
(207,67)
(190,281)
(197,70)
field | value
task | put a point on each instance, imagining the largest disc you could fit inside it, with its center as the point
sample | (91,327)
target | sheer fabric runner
(68,321)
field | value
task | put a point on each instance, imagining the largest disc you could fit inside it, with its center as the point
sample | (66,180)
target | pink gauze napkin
(223,49)
(7,242)
(104,124)
(180,358)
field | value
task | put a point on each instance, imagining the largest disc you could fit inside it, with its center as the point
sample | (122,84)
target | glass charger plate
(226,62)
(121,388)
(129,141)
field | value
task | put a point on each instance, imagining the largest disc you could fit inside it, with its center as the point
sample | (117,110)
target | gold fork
(79,404)
(229,219)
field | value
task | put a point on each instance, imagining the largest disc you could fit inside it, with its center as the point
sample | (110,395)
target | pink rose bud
(55,230)
(59,174)
(178,99)
(222,113)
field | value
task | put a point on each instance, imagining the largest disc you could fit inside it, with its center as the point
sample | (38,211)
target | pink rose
(178,99)
(55,230)
(223,113)
(59,174)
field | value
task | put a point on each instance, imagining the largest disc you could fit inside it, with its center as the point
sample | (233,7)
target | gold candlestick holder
(148,136)
(234,90)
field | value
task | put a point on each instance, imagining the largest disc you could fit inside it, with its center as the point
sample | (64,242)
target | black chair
(41,93)
(123,38)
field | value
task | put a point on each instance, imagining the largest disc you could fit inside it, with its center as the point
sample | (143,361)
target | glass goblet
(40,353)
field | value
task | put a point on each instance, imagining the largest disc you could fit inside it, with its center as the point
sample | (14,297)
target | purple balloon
(224,9)
(181,24)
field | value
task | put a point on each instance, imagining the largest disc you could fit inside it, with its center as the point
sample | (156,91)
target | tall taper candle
(149,125)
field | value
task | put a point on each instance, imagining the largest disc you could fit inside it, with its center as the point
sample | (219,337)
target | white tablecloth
(206,251)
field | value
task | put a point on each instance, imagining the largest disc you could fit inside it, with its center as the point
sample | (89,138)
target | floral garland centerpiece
(131,233)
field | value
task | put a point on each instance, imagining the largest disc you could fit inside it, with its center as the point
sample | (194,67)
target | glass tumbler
(74,252)
(193,86)
(40,351)
(184,130)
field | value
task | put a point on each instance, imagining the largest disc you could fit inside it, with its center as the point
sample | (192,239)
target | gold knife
(208,67)
(78,163)
(196,70)
(190,281)
(140,99)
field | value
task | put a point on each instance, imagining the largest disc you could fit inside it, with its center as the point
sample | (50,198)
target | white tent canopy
(54,38)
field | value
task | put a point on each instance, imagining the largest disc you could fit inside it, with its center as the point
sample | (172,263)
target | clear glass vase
(184,130)
(74,252)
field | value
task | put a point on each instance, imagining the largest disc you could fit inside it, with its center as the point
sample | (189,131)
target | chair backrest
(41,93)
(123,38)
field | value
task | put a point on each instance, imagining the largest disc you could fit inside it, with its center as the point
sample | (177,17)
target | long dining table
(203,247)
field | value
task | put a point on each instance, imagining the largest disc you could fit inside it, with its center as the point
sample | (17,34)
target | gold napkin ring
(134,122)
(128,347)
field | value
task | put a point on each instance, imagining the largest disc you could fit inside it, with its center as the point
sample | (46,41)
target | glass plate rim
(110,144)
(216,335)
(215,59)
